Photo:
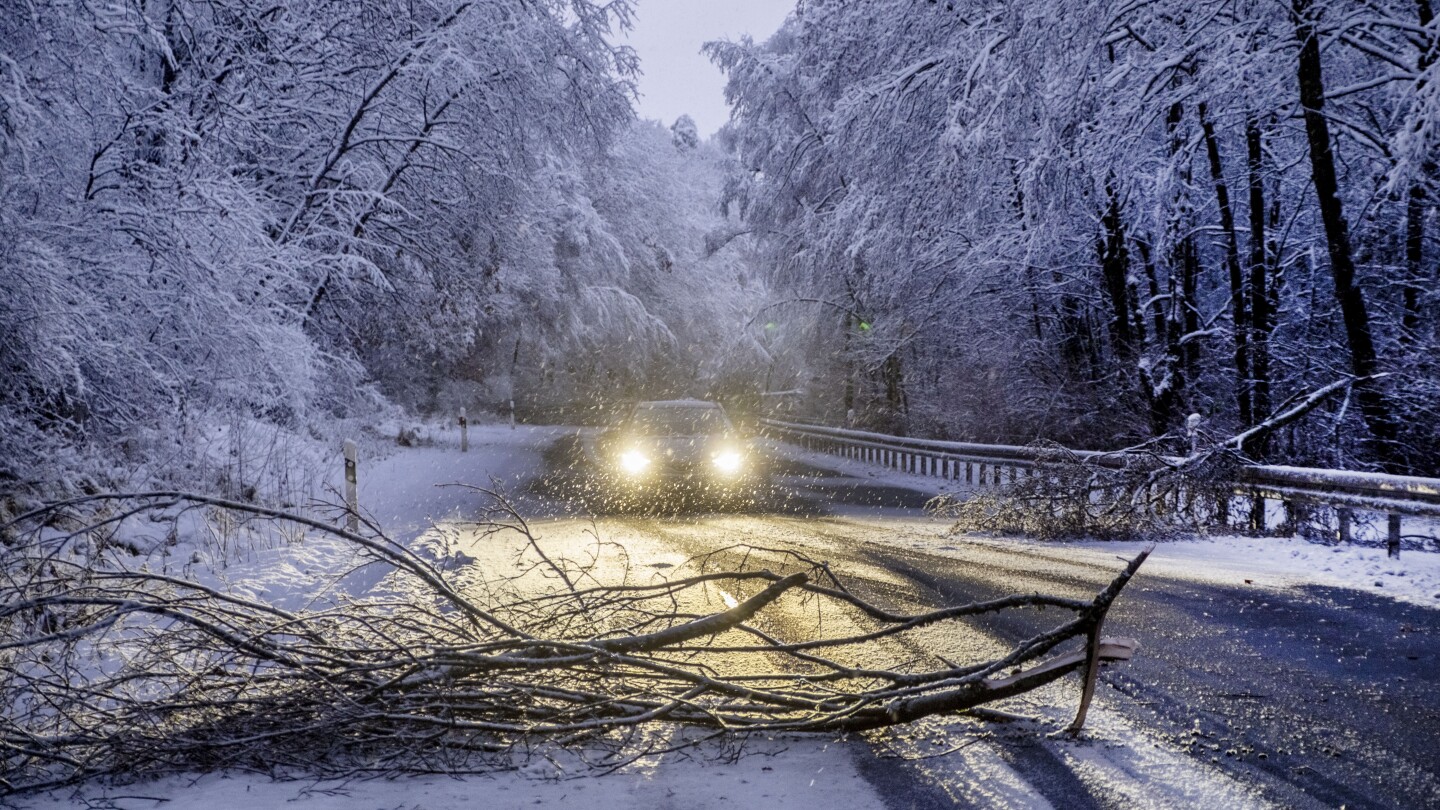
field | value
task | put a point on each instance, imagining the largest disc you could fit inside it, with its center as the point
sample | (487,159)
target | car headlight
(634,462)
(728,462)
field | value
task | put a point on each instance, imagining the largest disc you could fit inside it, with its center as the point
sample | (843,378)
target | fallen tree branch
(110,667)
(1139,492)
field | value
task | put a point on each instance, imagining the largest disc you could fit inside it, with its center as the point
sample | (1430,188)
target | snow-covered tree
(281,210)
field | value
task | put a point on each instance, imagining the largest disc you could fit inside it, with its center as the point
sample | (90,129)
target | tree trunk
(1167,379)
(1414,283)
(893,375)
(1115,266)
(1239,310)
(1261,315)
(1374,406)
(1183,309)
(1157,308)
(848,359)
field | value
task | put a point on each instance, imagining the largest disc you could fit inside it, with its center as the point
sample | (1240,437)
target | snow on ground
(1275,562)
(409,489)
(786,773)
(1283,562)
(405,492)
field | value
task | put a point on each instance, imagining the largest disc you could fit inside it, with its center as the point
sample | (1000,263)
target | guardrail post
(1392,540)
(969,473)
(1343,517)
(1292,517)
(464,433)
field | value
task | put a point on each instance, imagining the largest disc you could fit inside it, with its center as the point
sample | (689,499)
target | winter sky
(677,78)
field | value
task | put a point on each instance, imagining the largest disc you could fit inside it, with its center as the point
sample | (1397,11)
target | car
(675,446)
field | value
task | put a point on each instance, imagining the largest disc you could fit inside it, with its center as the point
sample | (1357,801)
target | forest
(972,220)
(1008,222)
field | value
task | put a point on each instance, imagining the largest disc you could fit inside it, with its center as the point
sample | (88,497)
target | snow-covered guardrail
(1296,488)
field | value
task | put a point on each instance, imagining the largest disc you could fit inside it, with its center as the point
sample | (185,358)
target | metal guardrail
(1346,492)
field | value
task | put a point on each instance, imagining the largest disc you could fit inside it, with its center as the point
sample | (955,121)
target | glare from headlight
(728,461)
(634,462)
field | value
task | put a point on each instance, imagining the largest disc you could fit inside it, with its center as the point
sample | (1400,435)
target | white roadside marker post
(352,499)
(464,433)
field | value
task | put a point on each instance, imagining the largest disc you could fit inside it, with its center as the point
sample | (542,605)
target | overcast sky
(677,78)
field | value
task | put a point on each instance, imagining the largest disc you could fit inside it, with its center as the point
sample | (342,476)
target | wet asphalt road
(1309,698)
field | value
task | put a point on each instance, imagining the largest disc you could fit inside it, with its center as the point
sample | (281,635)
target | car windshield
(679,421)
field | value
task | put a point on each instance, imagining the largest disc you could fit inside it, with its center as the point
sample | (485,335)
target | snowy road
(1242,695)
(1258,683)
